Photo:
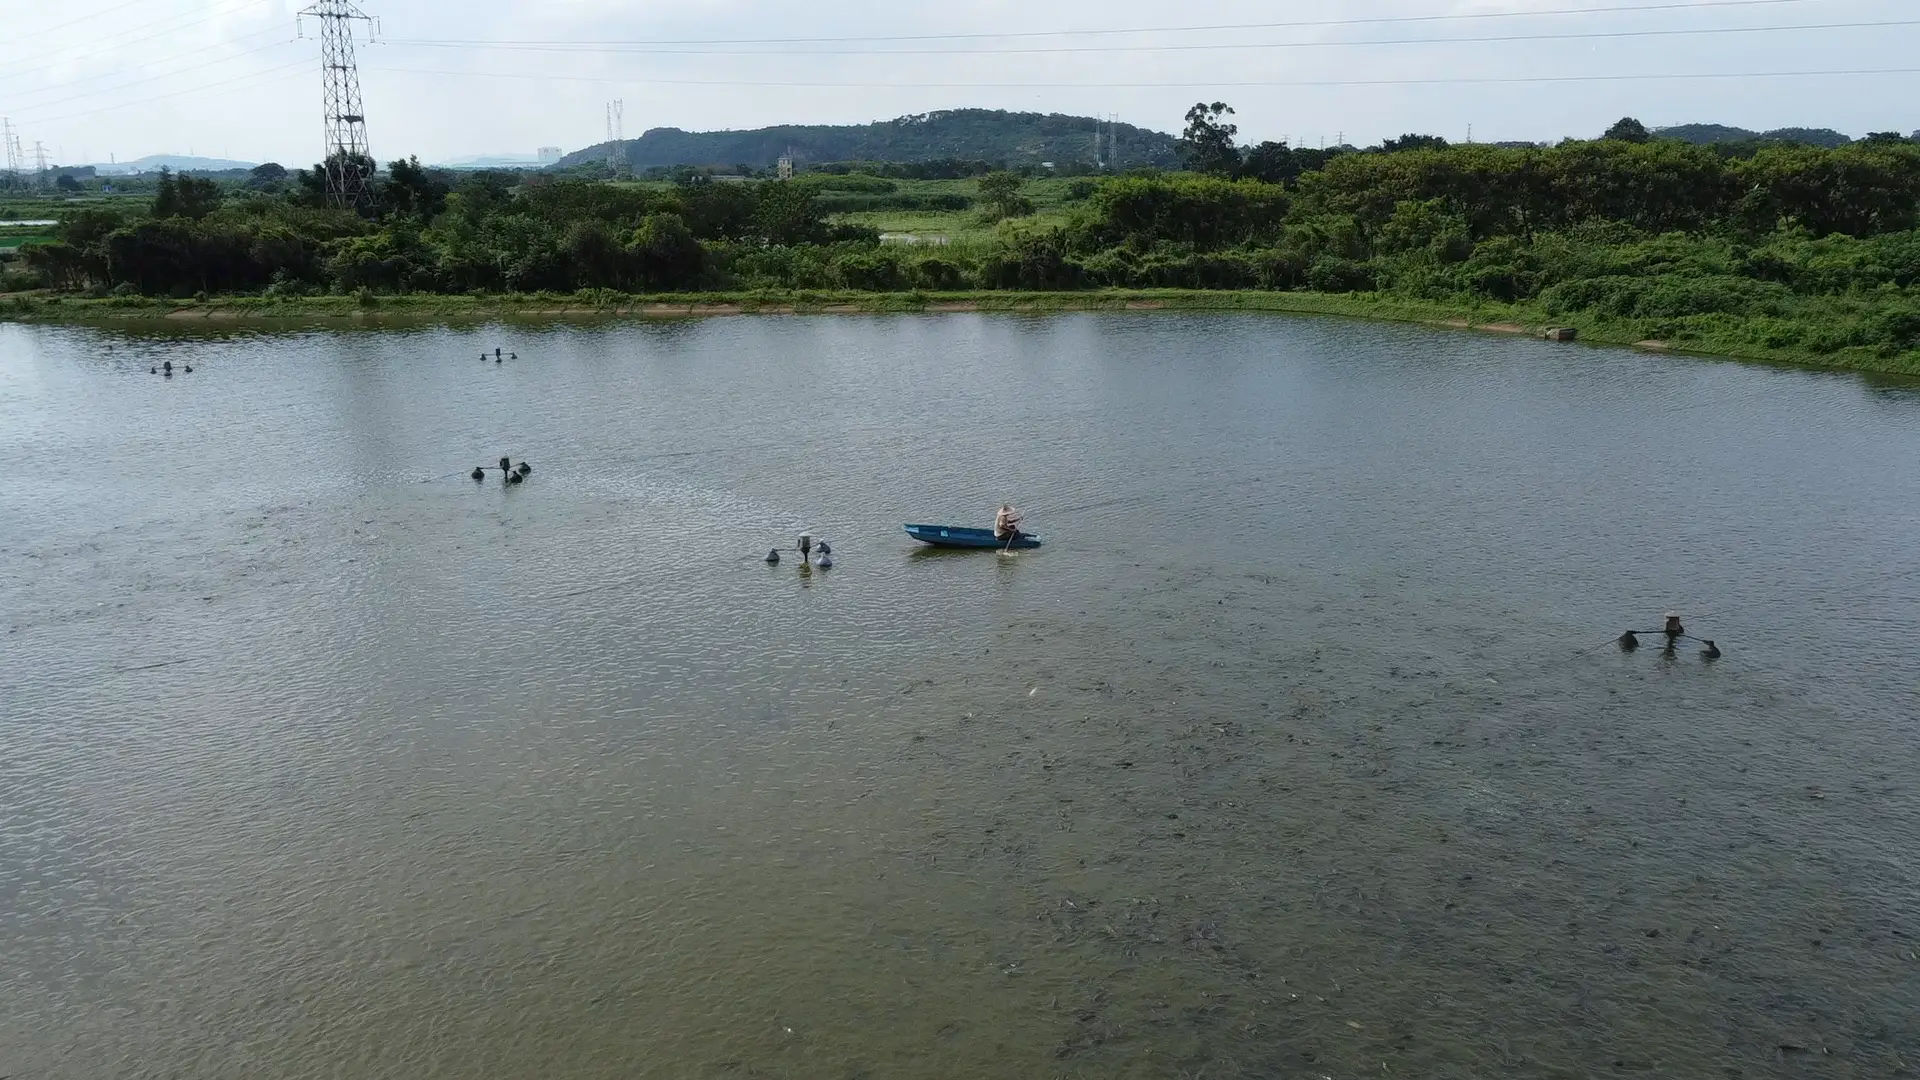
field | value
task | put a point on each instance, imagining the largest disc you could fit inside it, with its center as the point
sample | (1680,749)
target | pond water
(1300,749)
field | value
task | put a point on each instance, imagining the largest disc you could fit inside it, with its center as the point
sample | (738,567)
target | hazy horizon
(228,78)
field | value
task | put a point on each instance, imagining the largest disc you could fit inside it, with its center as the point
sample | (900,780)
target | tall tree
(411,191)
(1272,162)
(1627,129)
(266,176)
(1206,146)
(166,198)
(1001,191)
(787,215)
(185,196)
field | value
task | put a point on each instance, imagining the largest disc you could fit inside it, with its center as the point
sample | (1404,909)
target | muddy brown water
(1297,751)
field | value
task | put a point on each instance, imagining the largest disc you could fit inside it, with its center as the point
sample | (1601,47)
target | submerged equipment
(1674,631)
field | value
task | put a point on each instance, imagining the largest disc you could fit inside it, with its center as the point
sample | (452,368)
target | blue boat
(954,536)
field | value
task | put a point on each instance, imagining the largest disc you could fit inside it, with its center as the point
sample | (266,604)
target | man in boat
(1006,524)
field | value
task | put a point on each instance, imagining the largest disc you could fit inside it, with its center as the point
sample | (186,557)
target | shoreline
(333,311)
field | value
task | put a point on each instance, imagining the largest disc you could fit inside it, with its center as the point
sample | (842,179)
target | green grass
(1050,198)
(16,208)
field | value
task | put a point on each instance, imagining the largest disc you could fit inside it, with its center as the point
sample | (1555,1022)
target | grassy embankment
(1736,339)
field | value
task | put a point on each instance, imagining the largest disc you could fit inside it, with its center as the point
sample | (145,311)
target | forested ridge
(1797,251)
(1010,138)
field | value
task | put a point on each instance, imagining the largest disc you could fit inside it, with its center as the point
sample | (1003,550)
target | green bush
(938,274)
(1036,259)
(20,279)
(1198,213)
(851,182)
(1332,274)
(874,270)
(1668,297)
(910,202)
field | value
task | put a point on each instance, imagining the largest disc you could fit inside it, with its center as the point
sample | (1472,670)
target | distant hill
(963,134)
(1708,134)
(176,162)
(496,161)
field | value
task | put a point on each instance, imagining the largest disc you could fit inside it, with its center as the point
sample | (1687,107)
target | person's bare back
(1006,523)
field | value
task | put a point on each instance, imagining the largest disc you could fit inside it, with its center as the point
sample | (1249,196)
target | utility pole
(349,161)
(39,164)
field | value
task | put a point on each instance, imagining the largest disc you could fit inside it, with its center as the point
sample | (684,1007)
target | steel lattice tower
(10,145)
(616,135)
(349,161)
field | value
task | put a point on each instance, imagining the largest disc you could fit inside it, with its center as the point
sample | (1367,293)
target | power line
(86,18)
(199,64)
(1588,35)
(196,55)
(149,99)
(1201,83)
(115,42)
(1221,27)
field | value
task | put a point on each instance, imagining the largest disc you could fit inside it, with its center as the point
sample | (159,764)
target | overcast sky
(229,78)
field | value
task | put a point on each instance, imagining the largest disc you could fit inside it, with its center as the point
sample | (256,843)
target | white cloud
(227,76)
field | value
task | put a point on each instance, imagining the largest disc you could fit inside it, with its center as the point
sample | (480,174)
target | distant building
(550,154)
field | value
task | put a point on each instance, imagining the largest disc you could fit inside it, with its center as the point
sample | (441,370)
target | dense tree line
(1622,227)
